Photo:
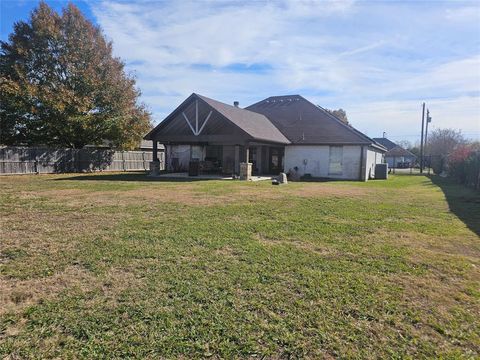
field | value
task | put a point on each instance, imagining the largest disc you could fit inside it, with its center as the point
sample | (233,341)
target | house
(278,134)
(396,156)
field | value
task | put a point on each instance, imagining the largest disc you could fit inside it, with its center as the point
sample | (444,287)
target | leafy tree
(340,114)
(60,85)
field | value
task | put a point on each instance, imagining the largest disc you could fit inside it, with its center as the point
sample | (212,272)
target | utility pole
(421,139)
(429,119)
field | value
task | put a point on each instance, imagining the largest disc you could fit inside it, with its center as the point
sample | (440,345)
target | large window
(335,166)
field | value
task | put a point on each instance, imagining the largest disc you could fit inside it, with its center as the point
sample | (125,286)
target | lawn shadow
(130,176)
(462,201)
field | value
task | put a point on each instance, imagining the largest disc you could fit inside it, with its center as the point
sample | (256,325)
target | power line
(411,135)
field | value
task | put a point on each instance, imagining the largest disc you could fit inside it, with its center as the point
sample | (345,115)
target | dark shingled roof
(393,149)
(254,124)
(280,119)
(302,122)
(399,151)
(388,144)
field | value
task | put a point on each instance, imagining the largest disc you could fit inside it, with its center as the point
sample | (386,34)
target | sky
(378,60)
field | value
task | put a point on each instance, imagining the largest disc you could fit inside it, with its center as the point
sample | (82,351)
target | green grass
(118,266)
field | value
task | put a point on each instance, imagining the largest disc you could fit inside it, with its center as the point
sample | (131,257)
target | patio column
(245,166)
(155,150)
(155,164)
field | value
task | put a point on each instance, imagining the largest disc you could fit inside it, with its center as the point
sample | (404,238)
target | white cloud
(402,119)
(376,60)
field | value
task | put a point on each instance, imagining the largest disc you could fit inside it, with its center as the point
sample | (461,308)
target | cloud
(402,119)
(366,57)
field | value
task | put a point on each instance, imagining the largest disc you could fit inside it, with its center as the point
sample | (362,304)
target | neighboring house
(278,134)
(396,156)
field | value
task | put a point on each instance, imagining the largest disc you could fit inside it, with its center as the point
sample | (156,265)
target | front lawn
(117,265)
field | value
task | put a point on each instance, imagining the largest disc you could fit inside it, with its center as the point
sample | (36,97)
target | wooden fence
(36,160)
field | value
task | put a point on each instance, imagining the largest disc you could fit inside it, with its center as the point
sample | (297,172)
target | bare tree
(441,143)
(444,141)
(405,144)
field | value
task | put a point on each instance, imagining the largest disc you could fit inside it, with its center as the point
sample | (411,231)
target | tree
(441,143)
(405,144)
(340,114)
(464,164)
(60,85)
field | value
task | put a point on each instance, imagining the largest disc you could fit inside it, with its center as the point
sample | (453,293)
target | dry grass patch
(299,245)
(311,190)
(17,294)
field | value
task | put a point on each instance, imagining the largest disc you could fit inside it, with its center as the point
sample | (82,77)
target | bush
(464,165)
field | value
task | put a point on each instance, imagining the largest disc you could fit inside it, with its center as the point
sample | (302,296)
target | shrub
(464,164)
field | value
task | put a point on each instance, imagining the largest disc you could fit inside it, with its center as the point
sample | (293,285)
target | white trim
(197,131)
(188,122)
(204,123)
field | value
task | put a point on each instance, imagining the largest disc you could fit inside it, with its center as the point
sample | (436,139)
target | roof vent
(236,103)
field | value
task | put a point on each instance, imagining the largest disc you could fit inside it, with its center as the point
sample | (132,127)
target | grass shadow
(462,201)
(131,176)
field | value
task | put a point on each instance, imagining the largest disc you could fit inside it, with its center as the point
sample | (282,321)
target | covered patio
(185,175)
(206,137)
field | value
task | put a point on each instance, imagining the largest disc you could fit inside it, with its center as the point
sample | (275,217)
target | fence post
(143,158)
(123,161)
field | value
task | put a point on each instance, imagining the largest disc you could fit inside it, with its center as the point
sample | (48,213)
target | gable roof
(388,144)
(399,151)
(254,125)
(394,149)
(287,119)
(303,122)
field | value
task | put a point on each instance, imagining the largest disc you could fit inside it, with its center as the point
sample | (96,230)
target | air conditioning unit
(381,171)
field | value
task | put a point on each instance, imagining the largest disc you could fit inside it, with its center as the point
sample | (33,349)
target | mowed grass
(117,266)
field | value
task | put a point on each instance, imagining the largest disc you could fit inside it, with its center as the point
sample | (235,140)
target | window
(335,160)
(196,153)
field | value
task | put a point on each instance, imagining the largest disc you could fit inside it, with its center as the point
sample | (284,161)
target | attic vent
(236,103)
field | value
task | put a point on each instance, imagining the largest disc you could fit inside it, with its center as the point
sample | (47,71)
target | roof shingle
(302,122)
(255,124)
